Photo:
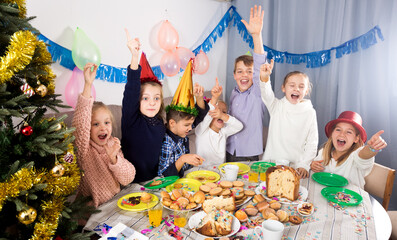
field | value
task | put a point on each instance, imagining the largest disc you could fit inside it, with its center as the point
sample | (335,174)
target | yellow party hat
(183,100)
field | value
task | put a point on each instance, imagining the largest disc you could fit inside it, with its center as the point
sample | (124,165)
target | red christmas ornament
(27,130)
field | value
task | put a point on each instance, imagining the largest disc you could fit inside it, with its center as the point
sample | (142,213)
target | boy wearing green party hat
(182,116)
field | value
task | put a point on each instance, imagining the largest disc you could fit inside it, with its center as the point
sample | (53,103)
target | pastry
(182,202)
(295,219)
(251,211)
(258,198)
(226,192)
(272,216)
(282,215)
(262,206)
(241,215)
(216,191)
(211,178)
(249,193)
(216,223)
(205,188)
(176,193)
(238,192)
(178,185)
(238,184)
(156,183)
(211,185)
(306,209)
(167,202)
(219,203)
(226,184)
(164,194)
(199,197)
(146,197)
(266,213)
(275,205)
(282,181)
(191,205)
(175,206)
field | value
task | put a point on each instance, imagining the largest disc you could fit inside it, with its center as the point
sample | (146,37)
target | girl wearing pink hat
(345,153)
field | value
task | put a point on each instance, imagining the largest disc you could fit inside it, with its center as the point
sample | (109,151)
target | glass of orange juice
(263,166)
(156,215)
(253,174)
(180,218)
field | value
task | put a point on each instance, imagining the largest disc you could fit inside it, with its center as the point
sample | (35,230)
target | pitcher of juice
(156,215)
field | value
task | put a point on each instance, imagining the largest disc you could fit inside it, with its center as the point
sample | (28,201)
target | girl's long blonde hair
(329,148)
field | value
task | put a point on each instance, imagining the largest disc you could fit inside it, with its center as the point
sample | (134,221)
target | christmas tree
(38,170)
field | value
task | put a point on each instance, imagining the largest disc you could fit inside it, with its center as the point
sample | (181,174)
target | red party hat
(147,74)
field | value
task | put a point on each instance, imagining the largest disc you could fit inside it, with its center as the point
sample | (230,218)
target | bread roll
(167,202)
(241,215)
(275,205)
(258,198)
(146,197)
(282,215)
(262,206)
(182,202)
(199,197)
(165,194)
(176,193)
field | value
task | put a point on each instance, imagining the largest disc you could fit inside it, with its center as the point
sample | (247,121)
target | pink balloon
(184,56)
(170,64)
(75,86)
(201,63)
(168,37)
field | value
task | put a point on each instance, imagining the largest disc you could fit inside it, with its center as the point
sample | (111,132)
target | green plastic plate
(346,197)
(330,179)
(165,182)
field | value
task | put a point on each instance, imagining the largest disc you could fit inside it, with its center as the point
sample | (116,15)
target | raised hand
(256,20)
(89,76)
(216,91)
(376,142)
(112,151)
(133,44)
(198,90)
(266,70)
(216,113)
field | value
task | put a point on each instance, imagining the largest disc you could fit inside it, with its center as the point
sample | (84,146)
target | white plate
(304,215)
(303,193)
(170,193)
(195,220)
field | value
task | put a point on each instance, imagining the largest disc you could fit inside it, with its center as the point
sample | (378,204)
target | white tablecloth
(327,222)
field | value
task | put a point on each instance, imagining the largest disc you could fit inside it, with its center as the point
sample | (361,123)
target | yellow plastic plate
(244,168)
(204,175)
(139,207)
(190,185)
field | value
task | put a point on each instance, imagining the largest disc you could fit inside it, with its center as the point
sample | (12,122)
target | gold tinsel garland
(48,219)
(21,6)
(19,54)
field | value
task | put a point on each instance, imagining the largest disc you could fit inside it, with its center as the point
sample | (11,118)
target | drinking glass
(253,174)
(156,215)
(180,218)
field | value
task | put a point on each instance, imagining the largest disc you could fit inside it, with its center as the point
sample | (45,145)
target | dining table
(367,220)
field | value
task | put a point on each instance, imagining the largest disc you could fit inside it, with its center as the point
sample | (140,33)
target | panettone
(216,223)
(282,181)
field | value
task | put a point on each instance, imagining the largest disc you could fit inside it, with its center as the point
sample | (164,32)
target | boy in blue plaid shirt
(175,156)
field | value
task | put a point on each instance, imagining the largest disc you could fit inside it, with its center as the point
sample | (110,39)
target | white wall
(104,23)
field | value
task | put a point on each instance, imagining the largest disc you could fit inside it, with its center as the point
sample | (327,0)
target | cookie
(216,191)
(295,219)
(226,184)
(238,184)
(211,185)
(249,193)
(205,188)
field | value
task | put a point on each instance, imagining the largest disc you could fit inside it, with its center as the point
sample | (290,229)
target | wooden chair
(393,218)
(380,183)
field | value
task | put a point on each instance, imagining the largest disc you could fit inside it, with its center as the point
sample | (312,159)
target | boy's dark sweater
(142,136)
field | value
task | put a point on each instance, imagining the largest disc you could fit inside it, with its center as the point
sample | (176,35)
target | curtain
(364,81)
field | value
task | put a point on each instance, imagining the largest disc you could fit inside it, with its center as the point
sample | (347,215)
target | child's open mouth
(219,121)
(295,96)
(102,136)
(341,143)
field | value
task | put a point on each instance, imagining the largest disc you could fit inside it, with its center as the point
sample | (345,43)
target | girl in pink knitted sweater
(98,153)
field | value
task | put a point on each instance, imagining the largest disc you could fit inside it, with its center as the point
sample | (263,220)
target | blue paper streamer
(312,59)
